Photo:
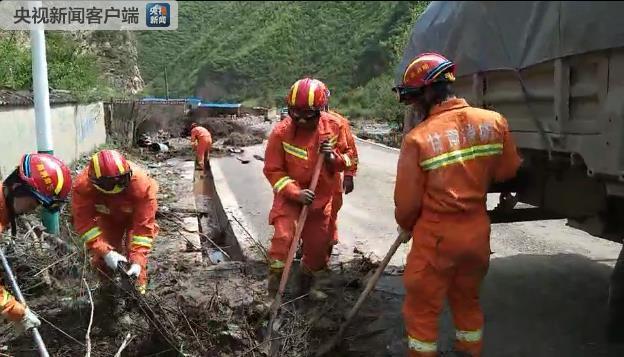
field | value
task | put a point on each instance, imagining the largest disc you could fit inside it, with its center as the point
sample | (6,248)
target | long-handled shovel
(43,351)
(291,256)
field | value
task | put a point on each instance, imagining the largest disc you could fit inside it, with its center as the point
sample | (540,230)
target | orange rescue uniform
(349,171)
(290,157)
(11,309)
(124,221)
(445,167)
(202,143)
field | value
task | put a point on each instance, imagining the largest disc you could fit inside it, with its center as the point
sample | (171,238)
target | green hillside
(90,64)
(253,51)
(68,68)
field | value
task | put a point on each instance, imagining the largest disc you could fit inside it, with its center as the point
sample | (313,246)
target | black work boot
(275,275)
(306,279)
(319,282)
(310,283)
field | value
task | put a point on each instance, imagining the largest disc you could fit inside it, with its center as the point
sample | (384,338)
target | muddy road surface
(545,293)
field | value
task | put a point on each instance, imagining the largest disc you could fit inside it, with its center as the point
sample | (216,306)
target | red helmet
(47,178)
(424,70)
(109,171)
(307,94)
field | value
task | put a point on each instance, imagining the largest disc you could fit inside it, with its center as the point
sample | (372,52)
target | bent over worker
(346,183)
(292,151)
(114,211)
(202,144)
(39,180)
(445,166)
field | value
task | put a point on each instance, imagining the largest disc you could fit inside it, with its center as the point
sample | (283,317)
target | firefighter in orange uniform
(39,180)
(346,185)
(114,210)
(291,154)
(445,167)
(202,144)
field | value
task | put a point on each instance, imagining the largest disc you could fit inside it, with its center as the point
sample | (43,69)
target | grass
(253,51)
(69,67)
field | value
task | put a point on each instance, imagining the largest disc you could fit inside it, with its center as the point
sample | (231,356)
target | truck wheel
(615,324)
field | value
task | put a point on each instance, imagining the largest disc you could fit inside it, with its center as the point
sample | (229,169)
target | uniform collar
(450,104)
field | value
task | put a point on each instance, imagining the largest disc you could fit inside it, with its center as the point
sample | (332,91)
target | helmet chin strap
(9,196)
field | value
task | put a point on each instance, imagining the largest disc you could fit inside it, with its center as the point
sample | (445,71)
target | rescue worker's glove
(134,271)
(306,197)
(29,321)
(112,259)
(328,151)
(347,184)
(405,235)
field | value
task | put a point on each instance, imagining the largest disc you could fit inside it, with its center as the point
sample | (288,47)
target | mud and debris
(240,139)
(196,304)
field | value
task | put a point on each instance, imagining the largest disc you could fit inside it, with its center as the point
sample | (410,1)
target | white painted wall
(76,129)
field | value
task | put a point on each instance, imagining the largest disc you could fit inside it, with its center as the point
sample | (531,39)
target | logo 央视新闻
(157,15)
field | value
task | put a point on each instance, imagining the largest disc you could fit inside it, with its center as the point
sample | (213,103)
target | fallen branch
(259,245)
(216,245)
(124,344)
(295,299)
(88,335)
(61,331)
(53,264)
(189,241)
(192,330)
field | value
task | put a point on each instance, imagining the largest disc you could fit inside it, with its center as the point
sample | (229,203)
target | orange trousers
(448,259)
(316,236)
(336,205)
(203,151)
(115,234)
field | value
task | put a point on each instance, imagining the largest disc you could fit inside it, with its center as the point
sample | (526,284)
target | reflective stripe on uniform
(461,155)
(142,241)
(281,183)
(469,336)
(347,160)
(421,346)
(142,288)
(333,140)
(91,235)
(5,299)
(277,264)
(295,151)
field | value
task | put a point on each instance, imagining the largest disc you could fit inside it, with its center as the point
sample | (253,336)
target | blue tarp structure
(195,102)
(220,105)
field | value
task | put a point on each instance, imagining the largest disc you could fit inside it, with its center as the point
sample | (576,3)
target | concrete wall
(76,129)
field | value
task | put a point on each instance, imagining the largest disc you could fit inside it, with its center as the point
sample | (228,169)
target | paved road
(545,292)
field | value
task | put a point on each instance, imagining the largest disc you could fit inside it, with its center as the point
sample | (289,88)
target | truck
(555,70)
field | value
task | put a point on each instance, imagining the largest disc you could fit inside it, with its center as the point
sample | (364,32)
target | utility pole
(166,84)
(42,108)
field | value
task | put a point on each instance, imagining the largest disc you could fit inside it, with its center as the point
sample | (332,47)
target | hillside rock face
(117,55)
